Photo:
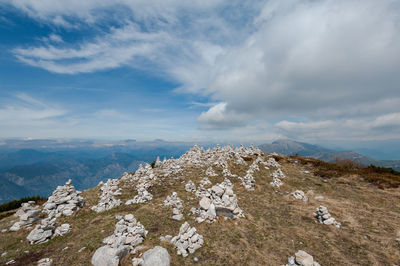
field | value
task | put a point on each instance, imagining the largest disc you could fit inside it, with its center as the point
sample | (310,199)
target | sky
(311,70)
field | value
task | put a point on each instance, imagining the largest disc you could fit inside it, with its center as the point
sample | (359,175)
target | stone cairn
(176,203)
(128,233)
(64,200)
(300,195)
(210,172)
(187,241)
(302,258)
(29,214)
(47,230)
(144,176)
(227,173)
(219,200)
(248,180)
(271,162)
(276,178)
(107,200)
(324,217)
(190,186)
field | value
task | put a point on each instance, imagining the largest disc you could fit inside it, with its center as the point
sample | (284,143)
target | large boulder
(157,256)
(108,256)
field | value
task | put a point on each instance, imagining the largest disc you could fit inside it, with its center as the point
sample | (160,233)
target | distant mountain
(28,171)
(290,147)
(43,176)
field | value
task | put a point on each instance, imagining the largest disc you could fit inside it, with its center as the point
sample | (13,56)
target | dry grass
(275,227)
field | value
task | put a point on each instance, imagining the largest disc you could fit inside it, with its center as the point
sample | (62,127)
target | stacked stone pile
(205,181)
(302,258)
(272,163)
(187,241)
(227,173)
(190,186)
(324,217)
(144,177)
(300,195)
(128,233)
(210,172)
(29,214)
(47,230)
(276,178)
(176,203)
(219,200)
(107,199)
(248,180)
(64,200)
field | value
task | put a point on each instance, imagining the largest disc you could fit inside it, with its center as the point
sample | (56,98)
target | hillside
(258,221)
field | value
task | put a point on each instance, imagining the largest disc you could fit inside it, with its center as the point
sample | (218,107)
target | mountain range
(291,147)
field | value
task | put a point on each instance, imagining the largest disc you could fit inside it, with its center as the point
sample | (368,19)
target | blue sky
(317,71)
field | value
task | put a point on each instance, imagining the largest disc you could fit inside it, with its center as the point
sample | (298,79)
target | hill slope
(275,225)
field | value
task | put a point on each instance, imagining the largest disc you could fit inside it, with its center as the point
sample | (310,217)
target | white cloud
(329,64)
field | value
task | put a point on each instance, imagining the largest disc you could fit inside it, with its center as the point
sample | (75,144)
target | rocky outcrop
(128,233)
(300,195)
(219,200)
(157,256)
(187,241)
(324,217)
(176,203)
(302,258)
(65,200)
(29,214)
(107,201)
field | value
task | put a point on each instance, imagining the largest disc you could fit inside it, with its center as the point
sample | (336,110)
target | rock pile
(47,230)
(276,175)
(144,176)
(176,203)
(64,200)
(324,217)
(219,200)
(128,233)
(190,186)
(29,214)
(248,180)
(107,199)
(271,162)
(302,258)
(299,195)
(210,172)
(227,173)
(187,241)
(205,181)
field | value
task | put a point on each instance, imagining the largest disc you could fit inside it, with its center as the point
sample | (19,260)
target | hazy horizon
(320,72)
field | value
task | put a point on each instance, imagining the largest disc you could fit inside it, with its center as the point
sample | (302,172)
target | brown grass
(275,226)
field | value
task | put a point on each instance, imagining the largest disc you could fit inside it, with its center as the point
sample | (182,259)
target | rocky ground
(235,207)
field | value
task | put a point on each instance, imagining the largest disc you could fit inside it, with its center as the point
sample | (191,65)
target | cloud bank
(307,69)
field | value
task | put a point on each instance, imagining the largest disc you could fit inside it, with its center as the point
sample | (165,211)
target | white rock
(157,256)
